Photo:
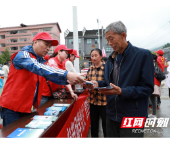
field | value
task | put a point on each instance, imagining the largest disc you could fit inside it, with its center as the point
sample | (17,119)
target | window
(7,41)
(23,39)
(14,48)
(79,50)
(47,29)
(28,31)
(108,49)
(21,47)
(70,41)
(13,32)
(89,41)
(7,32)
(39,30)
(79,40)
(2,36)
(2,45)
(13,40)
(96,41)
(22,31)
(34,33)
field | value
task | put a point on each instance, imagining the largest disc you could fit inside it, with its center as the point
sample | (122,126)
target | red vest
(19,89)
(54,87)
(161,62)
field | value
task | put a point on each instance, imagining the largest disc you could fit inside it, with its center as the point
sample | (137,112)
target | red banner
(77,125)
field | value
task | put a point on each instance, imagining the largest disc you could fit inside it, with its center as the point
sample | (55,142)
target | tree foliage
(5,57)
(166,45)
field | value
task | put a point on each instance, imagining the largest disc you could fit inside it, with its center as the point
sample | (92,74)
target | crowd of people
(129,71)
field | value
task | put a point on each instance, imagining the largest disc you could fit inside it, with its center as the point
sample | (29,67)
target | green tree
(166,45)
(5,57)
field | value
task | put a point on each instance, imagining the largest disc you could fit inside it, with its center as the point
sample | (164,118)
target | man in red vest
(23,88)
(161,64)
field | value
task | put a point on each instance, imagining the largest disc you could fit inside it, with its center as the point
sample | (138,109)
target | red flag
(103,52)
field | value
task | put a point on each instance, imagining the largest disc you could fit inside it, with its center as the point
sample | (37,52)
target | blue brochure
(26,133)
(104,88)
(53,108)
(51,112)
(42,124)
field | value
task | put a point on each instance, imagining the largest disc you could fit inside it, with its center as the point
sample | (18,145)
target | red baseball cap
(75,53)
(63,47)
(160,52)
(45,36)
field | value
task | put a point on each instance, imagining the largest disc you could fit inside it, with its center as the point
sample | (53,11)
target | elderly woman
(97,99)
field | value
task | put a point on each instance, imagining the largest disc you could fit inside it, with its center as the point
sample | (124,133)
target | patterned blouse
(97,74)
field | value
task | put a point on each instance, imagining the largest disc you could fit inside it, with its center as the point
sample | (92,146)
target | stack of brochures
(41,124)
(54,110)
(26,133)
(42,117)
(66,105)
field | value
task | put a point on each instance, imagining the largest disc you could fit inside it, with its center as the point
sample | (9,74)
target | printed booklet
(51,112)
(42,124)
(42,117)
(53,108)
(67,105)
(26,133)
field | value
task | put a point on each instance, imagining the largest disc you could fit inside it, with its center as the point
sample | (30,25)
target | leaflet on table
(50,112)
(61,105)
(53,108)
(104,88)
(26,133)
(43,124)
(42,117)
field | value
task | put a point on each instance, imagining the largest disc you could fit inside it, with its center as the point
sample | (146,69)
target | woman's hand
(73,95)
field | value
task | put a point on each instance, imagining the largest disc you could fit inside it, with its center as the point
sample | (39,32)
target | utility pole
(98,33)
(75,38)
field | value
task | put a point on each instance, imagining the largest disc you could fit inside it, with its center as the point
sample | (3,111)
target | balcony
(13,48)
(13,40)
(2,44)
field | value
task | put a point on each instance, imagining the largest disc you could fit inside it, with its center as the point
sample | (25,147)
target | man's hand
(115,91)
(74,78)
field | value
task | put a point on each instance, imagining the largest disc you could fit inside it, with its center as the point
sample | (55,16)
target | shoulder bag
(59,94)
(159,75)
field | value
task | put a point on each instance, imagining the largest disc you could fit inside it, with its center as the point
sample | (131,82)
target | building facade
(15,38)
(88,40)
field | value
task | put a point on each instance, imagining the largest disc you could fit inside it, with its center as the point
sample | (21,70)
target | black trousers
(113,130)
(95,112)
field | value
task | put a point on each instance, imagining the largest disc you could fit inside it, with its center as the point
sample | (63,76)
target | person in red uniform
(161,64)
(56,61)
(23,88)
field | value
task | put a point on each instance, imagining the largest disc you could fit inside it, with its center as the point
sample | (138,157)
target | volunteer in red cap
(56,61)
(69,63)
(161,64)
(160,59)
(23,87)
